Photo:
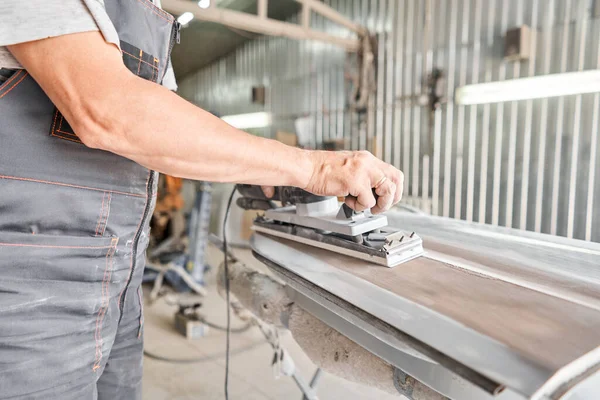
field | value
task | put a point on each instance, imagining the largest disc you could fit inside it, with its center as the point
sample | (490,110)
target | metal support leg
(314,381)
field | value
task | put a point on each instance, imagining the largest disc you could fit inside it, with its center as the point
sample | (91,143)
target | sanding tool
(321,221)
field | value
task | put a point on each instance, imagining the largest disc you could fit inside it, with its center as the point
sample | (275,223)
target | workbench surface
(514,306)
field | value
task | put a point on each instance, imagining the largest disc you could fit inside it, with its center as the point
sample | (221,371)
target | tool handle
(285,194)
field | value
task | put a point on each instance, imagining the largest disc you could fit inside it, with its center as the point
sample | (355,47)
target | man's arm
(112,109)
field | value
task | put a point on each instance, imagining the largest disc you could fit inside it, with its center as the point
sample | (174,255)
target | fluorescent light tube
(250,120)
(536,87)
(204,4)
(185,18)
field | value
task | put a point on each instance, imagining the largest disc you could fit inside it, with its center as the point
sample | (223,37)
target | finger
(399,187)
(361,198)
(365,199)
(399,191)
(386,192)
(397,177)
(351,202)
(269,191)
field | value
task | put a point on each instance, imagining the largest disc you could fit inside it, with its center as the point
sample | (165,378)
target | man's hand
(354,175)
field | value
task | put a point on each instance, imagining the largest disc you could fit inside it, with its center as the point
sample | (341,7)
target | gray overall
(74,226)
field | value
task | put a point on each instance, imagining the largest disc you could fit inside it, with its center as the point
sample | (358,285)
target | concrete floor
(251,375)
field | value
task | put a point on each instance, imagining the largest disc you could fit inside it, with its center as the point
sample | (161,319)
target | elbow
(102,118)
(93,134)
(98,126)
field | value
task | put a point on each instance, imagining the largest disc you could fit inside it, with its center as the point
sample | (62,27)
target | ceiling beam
(331,14)
(262,8)
(268,26)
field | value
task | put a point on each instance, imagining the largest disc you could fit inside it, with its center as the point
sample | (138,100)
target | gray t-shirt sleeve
(27,20)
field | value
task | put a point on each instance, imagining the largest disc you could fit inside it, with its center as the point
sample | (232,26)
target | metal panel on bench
(513,334)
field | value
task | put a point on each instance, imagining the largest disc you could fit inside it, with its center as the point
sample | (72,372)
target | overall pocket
(11,81)
(137,61)
(54,299)
(140,63)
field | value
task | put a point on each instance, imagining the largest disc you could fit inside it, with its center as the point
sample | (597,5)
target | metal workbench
(487,313)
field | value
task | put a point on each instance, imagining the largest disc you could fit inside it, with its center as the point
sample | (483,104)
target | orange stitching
(15,85)
(69,185)
(68,133)
(12,78)
(60,127)
(154,10)
(101,214)
(104,304)
(145,62)
(136,233)
(54,123)
(51,246)
(53,130)
(64,138)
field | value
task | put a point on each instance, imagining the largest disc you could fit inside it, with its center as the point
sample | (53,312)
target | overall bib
(74,226)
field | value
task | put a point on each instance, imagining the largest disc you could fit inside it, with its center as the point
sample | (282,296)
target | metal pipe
(473,113)
(305,17)
(450,109)
(390,82)
(418,57)
(460,129)
(333,15)
(560,123)
(512,137)
(499,131)
(437,139)
(593,155)
(399,39)
(582,25)
(262,8)
(257,24)
(437,118)
(528,121)
(408,86)
(541,167)
(427,54)
(381,83)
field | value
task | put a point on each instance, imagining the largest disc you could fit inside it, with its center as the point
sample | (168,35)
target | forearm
(161,131)
(111,109)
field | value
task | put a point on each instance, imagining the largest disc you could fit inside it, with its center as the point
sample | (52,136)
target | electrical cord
(210,357)
(241,329)
(226,270)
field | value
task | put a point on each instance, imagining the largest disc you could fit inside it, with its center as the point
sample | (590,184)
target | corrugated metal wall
(526,164)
